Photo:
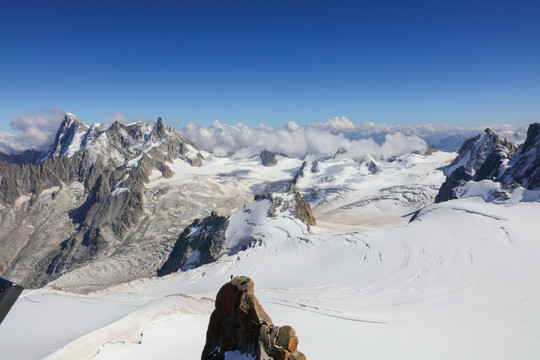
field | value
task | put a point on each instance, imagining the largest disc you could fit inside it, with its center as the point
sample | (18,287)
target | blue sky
(393,62)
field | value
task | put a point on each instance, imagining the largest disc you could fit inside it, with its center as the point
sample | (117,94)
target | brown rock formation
(239,323)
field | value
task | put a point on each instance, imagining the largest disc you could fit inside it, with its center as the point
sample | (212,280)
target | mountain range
(118,196)
(133,229)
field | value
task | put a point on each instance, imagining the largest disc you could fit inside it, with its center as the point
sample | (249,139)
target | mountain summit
(489,157)
(85,199)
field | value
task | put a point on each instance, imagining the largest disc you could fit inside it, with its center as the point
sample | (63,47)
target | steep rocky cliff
(93,180)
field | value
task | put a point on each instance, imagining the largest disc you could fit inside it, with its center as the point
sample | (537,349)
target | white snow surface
(459,282)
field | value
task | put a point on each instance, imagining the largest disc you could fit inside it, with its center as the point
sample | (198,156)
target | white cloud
(120,117)
(340,123)
(34,130)
(295,141)
(324,139)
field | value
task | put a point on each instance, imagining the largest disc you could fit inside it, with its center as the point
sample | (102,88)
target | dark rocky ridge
(239,323)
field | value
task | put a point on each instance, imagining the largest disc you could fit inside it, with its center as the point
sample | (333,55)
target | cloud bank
(35,130)
(325,139)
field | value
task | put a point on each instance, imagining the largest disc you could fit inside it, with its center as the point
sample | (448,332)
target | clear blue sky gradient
(394,62)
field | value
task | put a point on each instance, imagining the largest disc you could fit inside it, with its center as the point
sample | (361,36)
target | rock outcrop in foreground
(239,325)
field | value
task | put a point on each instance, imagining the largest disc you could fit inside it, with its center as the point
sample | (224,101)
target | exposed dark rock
(449,189)
(268,158)
(475,151)
(314,166)
(297,176)
(340,151)
(204,240)
(525,168)
(303,211)
(200,243)
(533,138)
(372,167)
(239,323)
(482,157)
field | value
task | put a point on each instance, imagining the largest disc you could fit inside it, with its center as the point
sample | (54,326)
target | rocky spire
(159,129)
(240,326)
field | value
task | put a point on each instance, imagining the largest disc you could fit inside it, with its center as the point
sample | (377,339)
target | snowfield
(459,282)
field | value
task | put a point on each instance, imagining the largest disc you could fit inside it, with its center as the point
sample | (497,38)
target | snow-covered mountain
(118,196)
(489,157)
(84,200)
(459,282)
(328,243)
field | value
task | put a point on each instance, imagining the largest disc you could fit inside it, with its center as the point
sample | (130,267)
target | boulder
(239,324)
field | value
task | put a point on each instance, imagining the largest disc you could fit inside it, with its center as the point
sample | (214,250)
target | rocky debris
(240,324)
(200,243)
(268,158)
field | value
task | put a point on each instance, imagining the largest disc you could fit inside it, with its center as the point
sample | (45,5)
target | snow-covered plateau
(458,282)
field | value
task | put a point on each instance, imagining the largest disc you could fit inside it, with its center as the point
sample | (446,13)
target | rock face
(200,243)
(481,157)
(239,325)
(104,169)
(268,158)
(525,168)
(204,241)
(488,157)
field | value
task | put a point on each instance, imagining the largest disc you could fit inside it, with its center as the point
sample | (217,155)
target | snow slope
(460,282)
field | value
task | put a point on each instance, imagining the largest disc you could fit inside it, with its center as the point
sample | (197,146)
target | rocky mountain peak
(68,137)
(159,129)
(525,168)
(239,327)
(489,157)
(476,150)
(533,138)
